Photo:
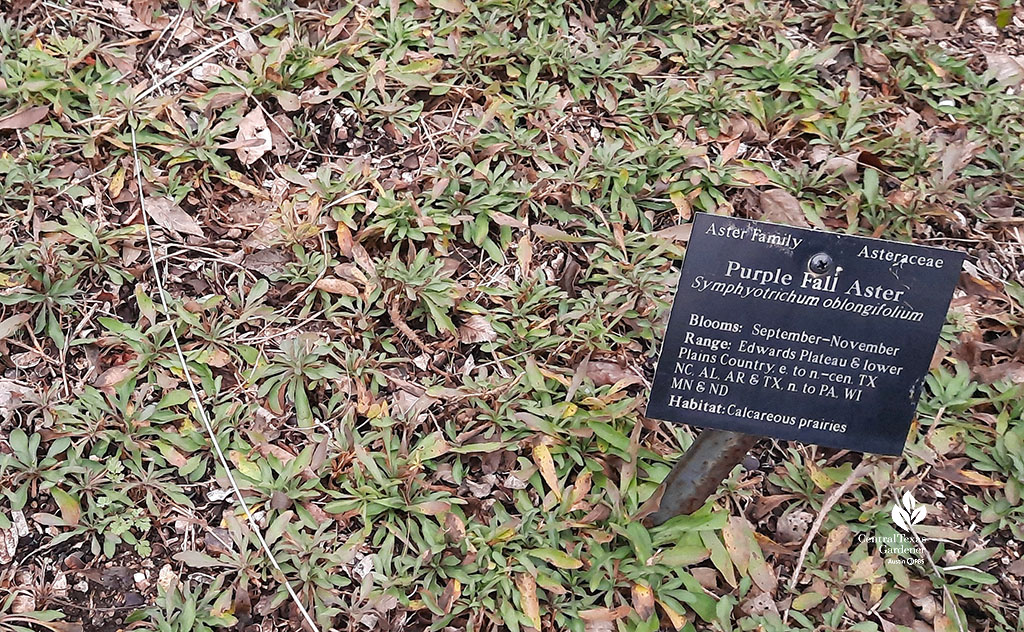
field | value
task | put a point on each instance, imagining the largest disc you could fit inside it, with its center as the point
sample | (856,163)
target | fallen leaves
(451,6)
(606,373)
(954,472)
(746,554)
(527,586)
(956,155)
(1007,70)
(546,464)
(476,329)
(253,138)
(874,59)
(333,285)
(12,395)
(1012,372)
(24,118)
(166,213)
(782,208)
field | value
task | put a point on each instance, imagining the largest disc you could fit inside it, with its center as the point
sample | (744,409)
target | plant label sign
(801,334)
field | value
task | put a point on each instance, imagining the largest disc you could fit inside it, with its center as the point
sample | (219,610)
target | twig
(826,506)
(399,321)
(200,407)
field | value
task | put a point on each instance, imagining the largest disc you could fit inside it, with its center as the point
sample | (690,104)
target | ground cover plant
(417,256)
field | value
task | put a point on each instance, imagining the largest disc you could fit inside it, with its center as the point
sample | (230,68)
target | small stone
(141,581)
(166,578)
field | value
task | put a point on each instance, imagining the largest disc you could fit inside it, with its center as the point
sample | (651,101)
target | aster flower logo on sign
(908,512)
(802,334)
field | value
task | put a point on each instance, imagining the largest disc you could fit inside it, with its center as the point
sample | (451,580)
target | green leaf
(70,509)
(612,436)
(871,186)
(556,558)
(19,443)
(197,559)
(807,601)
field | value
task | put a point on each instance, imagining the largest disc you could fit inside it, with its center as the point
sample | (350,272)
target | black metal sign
(801,334)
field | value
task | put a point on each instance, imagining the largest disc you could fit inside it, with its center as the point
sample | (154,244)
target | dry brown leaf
(680,233)
(113,376)
(503,219)
(8,545)
(187,32)
(206,71)
(24,601)
(281,133)
(248,10)
(550,233)
(21,120)
(527,586)
(1007,70)
(606,373)
(782,208)
(746,554)
(475,329)
(874,60)
(956,156)
(1000,206)
(1011,371)
(952,471)
(752,177)
(169,215)
(838,542)
(267,261)
(730,151)
(844,166)
(737,544)
(333,285)
(218,358)
(524,253)
(546,465)
(643,601)
(124,17)
(10,326)
(605,614)
(677,619)
(253,127)
(344,236)
(451,594)
(451,6)
(288,101)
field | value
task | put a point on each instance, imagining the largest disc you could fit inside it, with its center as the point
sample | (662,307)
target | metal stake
(699,471)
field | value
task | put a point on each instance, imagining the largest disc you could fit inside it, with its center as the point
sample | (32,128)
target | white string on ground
(199,402)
